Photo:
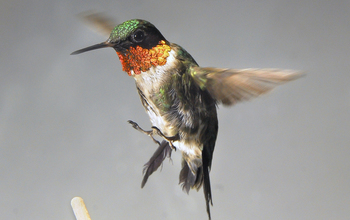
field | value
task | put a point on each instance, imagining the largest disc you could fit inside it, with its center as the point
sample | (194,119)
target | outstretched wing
(229,86)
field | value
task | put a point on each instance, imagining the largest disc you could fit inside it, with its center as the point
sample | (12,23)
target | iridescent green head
(124,30)
(130,33)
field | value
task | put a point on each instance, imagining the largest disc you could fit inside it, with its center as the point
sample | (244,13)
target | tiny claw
(148,133)
(156,131)
(169,139)
(133,124)
(137,127)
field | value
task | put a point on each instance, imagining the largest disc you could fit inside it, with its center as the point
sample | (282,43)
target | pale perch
(79,209)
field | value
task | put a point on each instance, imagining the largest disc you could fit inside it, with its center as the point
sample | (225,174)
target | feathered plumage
(180,97)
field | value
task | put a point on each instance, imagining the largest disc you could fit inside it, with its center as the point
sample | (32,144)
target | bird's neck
(138,59)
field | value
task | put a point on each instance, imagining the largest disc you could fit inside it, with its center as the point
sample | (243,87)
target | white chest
(150,83)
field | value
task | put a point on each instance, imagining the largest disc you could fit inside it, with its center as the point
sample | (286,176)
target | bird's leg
(156,131)
(169,139)
(149,133)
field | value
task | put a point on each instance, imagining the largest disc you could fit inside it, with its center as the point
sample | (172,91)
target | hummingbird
(181,98)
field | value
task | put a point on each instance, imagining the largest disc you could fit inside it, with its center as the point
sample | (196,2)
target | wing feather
(98,22)
(230,86)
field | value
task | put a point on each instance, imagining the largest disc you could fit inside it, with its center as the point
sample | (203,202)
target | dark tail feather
(187,178)
(206,188)
(188,181)
(163,151)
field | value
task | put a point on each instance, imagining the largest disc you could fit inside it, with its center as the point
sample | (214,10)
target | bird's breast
(150,85)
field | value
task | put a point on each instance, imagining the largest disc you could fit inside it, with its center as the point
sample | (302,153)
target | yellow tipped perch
(79,209)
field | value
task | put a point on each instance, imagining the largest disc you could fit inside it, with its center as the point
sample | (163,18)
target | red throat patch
(139,59)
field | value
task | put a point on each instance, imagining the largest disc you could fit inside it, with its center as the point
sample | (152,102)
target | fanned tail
(189,180)
(164,150)
(186,178)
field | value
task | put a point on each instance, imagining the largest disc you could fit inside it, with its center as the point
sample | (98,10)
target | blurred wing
(229,86)
(99,22)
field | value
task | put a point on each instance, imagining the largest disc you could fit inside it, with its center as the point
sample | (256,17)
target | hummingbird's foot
(149,133)
(169,139)
(156,131)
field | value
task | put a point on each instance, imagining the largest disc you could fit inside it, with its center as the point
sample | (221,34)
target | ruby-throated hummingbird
(181,98)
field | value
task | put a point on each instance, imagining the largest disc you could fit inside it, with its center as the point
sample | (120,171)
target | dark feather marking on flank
(163,151)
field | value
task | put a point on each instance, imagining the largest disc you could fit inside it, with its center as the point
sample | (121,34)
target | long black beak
(93,47)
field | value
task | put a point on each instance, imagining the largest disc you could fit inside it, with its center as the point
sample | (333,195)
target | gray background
(63,129)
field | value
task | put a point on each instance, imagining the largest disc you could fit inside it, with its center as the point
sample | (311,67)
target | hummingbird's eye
(138,36)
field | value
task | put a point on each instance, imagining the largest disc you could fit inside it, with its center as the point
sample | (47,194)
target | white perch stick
(79,209)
